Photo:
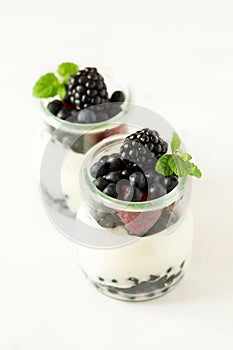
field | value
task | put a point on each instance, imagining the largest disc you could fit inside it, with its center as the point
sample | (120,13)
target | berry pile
(132,178)
(87,89)
(129,177)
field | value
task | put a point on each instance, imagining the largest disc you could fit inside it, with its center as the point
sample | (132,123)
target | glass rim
(155,204)
(88,126)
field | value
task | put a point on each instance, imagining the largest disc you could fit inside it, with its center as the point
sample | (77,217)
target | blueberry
(128,193)
(113,176)
(171,182)
(99,169)
(115,162)
(137,196)
(153,177)
(117,96)
(156,190)
(103,159)
(87,116)
(55,106)
(137,179)
(109,220)
(110,190)
(126,173)
(64,114)
(101,183)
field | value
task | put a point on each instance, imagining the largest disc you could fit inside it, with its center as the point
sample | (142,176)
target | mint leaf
(175,144)
(178,166)
(61,91)
(66,69)
(193,170)
(46,86)
(185,156)
(162,165)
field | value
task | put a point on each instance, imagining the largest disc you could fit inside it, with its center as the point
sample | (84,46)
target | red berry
(139,223)
(68,105)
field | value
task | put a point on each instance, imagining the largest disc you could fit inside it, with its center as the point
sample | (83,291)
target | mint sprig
(66,69)
(49,85)
(178,162)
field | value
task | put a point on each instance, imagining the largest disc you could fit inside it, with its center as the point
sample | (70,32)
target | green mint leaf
(185,156)
(181,167)
(46,86)
(61,91)
(178,166)
(66,69)
(162,165)
(193,170)
(175,144)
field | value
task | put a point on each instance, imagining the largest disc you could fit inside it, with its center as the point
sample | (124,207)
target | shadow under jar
(77,139)
(145,267)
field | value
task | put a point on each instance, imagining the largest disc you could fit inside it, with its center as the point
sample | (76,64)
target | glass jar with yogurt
(145,247)
(77,139)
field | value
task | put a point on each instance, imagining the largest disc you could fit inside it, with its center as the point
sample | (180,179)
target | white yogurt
(152,255)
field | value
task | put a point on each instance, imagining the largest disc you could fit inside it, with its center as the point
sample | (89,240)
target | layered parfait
(140,186)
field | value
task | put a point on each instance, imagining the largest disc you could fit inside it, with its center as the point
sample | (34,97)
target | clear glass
(152,261)
(77,139)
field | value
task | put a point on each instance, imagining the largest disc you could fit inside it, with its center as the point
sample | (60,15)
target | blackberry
(86,88)
(144,147)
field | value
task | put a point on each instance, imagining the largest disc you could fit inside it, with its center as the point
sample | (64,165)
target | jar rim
(117,204)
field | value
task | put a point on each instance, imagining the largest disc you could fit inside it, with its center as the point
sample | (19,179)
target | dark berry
(107,220)
(115,162)
(156,190)
(171,182)
(117,96)
(101,183)
(99,169)
(126,173)
(143,148)
(86,116)
(137,196)
(153,177)
(86,88)
(103,159)
(137,179)
(113,176)
(128,193)
(110,190)
(55,106)
(64,114)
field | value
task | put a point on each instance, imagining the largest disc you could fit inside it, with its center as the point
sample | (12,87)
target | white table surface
(178,58)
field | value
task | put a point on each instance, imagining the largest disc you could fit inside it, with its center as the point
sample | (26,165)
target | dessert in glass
(127,190)
(79,109)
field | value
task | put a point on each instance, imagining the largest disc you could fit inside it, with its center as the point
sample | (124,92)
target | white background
(178,58)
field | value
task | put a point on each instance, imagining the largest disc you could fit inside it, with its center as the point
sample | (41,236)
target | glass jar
(77,139)
(157,236)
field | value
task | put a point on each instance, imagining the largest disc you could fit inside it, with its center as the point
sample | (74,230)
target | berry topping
(99,169)
(55,106)
(78,89)
(137,179)
(110,190)
(139,223)
(144,147)
(171,182)
(64,114)
(117,96)
(87,88)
